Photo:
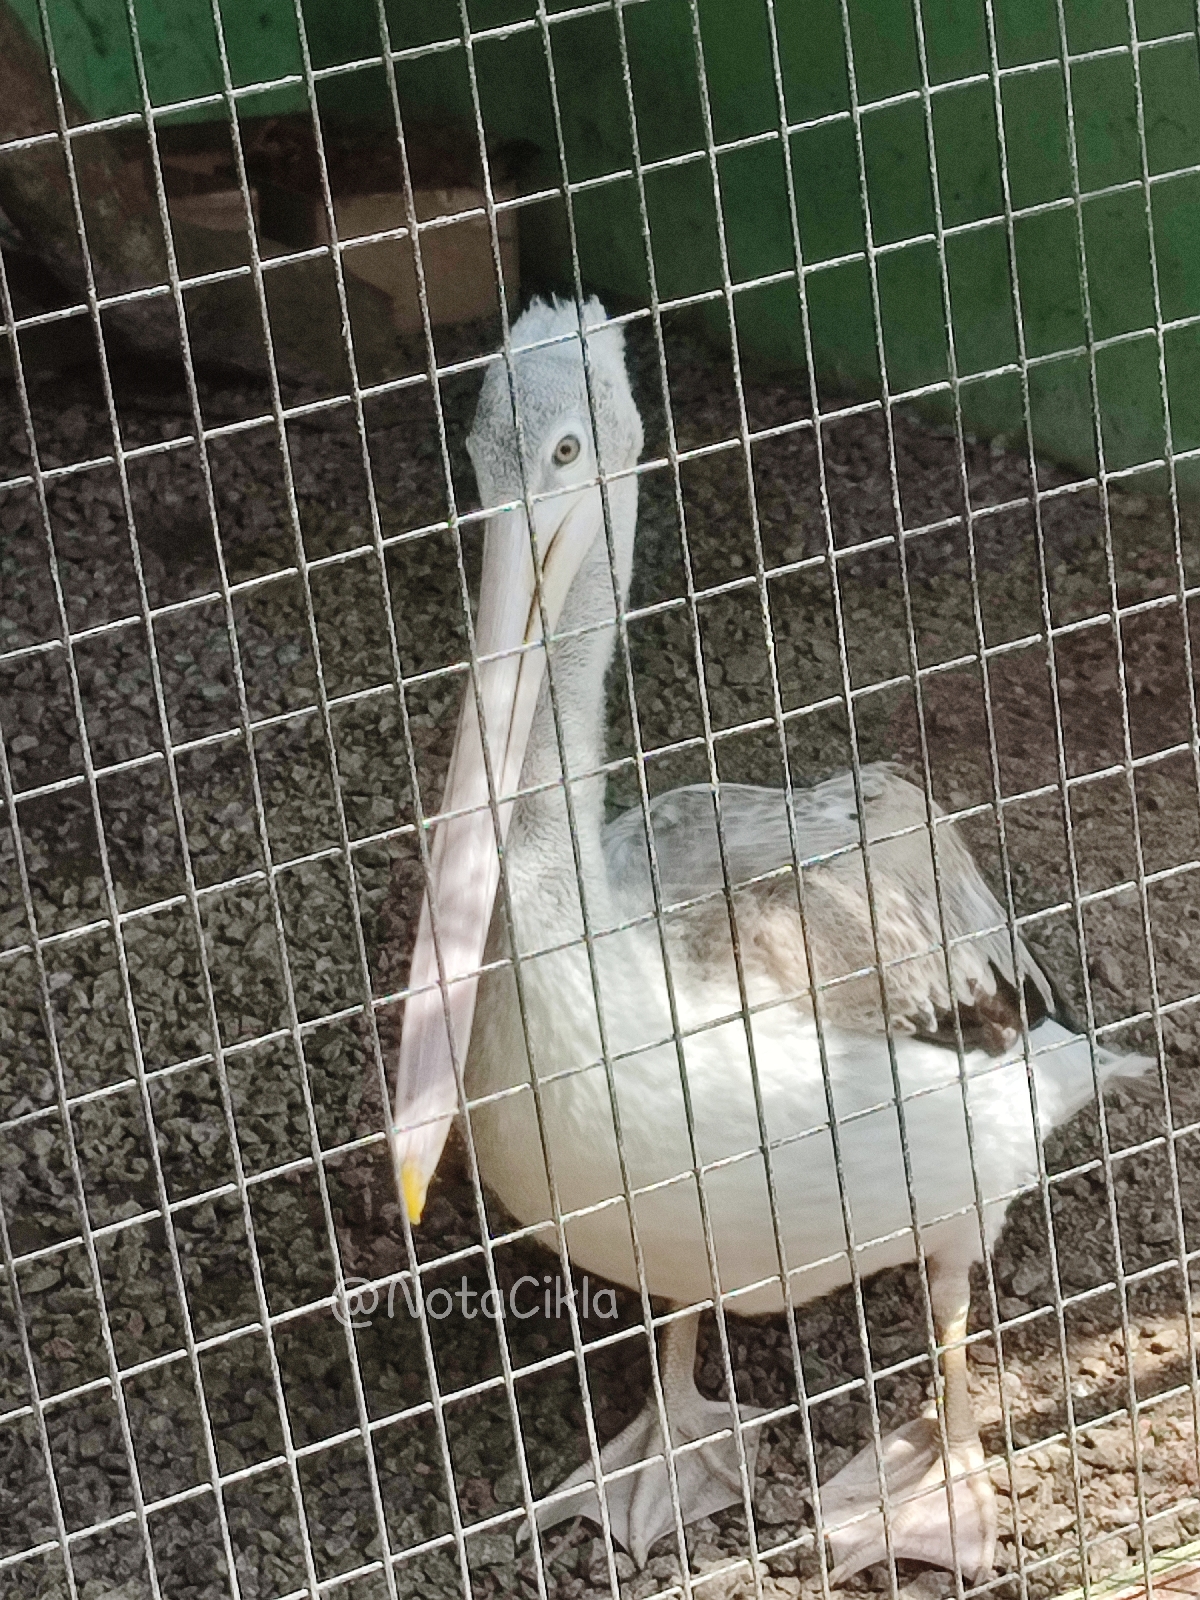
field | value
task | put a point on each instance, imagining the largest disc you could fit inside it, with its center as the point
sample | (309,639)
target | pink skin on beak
(464,868)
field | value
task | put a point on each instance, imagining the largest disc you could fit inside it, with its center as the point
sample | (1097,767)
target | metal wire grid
(849,698)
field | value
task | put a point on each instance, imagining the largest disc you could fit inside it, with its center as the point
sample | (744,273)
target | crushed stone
(157,1115)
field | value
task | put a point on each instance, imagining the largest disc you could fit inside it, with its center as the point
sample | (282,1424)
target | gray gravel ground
(282,1110)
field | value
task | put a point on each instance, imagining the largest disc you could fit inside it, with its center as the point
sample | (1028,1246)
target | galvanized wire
(373,553)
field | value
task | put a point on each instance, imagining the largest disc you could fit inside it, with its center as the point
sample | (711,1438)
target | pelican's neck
(541,858)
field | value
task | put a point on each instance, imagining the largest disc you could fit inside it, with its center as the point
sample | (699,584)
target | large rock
(127,249)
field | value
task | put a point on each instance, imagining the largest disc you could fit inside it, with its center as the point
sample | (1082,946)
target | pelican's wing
(686,846)
(982,984)
(755,827)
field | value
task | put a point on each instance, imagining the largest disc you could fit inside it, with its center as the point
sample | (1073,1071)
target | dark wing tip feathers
(993,1022)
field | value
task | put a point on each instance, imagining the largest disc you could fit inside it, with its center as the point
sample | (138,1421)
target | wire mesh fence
(235,631)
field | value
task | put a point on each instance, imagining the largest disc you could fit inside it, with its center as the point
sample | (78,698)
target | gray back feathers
(837,909)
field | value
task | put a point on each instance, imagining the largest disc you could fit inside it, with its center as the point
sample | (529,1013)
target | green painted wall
(182,60)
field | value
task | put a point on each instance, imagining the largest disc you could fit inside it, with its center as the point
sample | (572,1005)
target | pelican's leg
(918,1495)
(709,1477)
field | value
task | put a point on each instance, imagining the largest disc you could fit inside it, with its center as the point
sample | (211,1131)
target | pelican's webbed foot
(639,1501)
(918,1503)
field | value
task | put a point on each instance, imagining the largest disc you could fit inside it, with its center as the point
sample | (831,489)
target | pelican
(832,1039)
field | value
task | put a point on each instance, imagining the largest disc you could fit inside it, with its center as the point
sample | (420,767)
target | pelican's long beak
(464,861)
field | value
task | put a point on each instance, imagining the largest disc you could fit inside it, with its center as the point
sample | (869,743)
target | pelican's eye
(566,450)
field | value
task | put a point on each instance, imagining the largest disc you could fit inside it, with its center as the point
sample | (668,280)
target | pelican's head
(568,427)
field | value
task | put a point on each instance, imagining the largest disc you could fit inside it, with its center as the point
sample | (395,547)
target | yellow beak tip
(414,1187)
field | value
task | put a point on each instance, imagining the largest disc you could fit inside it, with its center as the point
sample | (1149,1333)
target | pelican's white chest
(701,1163)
